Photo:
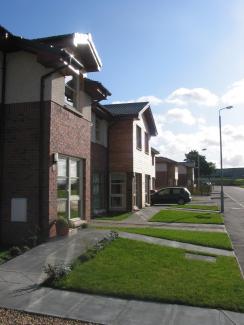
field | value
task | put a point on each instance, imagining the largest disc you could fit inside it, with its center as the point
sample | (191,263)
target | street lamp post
(221,160)
(198,171)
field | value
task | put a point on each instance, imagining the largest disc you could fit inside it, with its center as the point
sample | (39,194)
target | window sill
(139,148)
(73,110)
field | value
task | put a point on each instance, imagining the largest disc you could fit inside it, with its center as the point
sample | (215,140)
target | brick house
(45,139)
(131,160)
(186,174)
(166,172)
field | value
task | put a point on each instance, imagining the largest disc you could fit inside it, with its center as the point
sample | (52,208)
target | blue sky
(187,55)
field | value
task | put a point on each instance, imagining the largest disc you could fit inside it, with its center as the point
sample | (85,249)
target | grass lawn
(199,207)
(4,255)
(187,217)
(133,269)
(115,216)
(202,238)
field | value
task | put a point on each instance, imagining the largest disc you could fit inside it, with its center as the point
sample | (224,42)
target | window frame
(146,142)
(75,91)
(138,137)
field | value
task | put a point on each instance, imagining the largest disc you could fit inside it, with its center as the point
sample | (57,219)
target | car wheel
(181,201)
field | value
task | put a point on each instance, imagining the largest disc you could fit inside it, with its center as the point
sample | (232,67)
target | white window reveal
(19,210)
(117,191)
(72,90)
(70,187)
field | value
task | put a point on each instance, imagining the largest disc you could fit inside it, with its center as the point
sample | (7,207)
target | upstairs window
(153,160)
(138,137)
(146,143)
(71,90)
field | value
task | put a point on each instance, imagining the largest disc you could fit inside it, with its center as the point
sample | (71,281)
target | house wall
(103,131)
(121,146)
(142,161)
(21,169)
(69,136)
(66,131)
(1,66)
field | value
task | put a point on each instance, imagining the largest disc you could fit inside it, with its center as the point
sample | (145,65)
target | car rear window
(177,190)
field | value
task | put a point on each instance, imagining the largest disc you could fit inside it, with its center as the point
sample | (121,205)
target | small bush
(14,251)
(56,271)
(92,252)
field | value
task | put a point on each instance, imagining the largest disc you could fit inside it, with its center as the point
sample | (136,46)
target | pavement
(234,219)
(20,289)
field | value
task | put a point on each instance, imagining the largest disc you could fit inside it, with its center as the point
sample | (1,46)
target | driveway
(234,218)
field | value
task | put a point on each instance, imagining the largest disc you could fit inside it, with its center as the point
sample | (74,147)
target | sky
(185,57)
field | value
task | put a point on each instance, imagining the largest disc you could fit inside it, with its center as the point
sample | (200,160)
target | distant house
(166,172)
(186,174)
(131,158)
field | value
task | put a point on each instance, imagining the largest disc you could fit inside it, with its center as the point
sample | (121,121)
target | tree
(206,168)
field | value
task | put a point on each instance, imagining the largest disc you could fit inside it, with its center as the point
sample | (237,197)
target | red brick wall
(65,132)
(161,179)
(182,180)
(70,135)
(121,146)
(21,166)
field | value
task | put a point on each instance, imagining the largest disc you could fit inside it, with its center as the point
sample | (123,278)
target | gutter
(2,133)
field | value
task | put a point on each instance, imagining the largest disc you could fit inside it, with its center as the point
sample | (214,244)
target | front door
(70,187)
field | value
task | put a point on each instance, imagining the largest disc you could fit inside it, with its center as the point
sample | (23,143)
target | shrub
(14,251)
(56,271)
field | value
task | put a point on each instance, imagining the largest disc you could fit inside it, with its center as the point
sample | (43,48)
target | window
(71,90)
(138,137)
(166,191)
(147,188)
(117,191)
(98,129)
(146,143)
(153,160)
(99,191)
(69,187)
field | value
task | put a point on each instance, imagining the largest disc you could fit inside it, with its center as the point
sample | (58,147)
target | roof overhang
(166,160)
(95,89)
(154,151)
(150,119)
(79,45)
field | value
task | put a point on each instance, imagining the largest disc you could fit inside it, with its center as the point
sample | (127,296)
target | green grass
(172,216)
(4,255)
(202,238)
(137,270)
(115,216)
(199,207)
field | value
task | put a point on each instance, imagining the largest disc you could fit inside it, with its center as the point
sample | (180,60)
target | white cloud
(182,115)
(235,94)
(174,144)
(199,96)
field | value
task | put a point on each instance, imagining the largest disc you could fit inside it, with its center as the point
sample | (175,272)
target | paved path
(19,289)
(141,217)
(176,244)
(234,219)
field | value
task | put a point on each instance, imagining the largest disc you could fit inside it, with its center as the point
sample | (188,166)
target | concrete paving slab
(56,303)
(232,318)
(144,313)
(15,277)
(175,244)
(194,316)
(100,309)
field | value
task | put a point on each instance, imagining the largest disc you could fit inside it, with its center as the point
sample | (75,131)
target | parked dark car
(180,195)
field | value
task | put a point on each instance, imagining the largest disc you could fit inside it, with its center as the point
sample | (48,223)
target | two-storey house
(166,172)
(131,159)
(45,139)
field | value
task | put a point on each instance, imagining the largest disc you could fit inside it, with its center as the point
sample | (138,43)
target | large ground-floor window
(70,187)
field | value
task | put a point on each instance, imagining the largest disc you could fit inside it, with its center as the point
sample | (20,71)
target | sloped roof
(165,160)
(126,108)
(132,110)
(96,89)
